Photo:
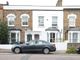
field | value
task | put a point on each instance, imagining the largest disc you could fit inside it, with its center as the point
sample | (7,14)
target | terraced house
(54,24)
(27,23)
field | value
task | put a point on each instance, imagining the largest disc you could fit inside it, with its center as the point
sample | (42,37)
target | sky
(41,2)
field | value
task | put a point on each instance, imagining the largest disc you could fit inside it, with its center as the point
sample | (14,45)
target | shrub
(3,33)
(71,50)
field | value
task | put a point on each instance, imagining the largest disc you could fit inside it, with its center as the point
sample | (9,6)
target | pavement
(5,51)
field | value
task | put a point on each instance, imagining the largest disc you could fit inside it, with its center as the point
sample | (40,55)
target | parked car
(78,50)
(34,45)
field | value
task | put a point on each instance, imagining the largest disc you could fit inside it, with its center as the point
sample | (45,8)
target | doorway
(52,37)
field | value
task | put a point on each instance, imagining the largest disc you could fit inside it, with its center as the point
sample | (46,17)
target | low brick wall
(5,46)
(76,45)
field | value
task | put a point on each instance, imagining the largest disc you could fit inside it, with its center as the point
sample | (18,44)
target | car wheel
(45,50)
(17,50)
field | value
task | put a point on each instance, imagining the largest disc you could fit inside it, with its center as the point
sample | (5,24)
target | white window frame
(11,17)
(41,21)
(72,17)
(17,32)
(22,19)
(70,36)
(54,22)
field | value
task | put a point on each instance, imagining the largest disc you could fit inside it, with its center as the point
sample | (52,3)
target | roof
(32,7)
(52,29)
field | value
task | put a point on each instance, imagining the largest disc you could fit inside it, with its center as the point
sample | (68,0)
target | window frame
(41,21)
(72,17)
(74,37)
(9,17)
(22,19)
(56,23)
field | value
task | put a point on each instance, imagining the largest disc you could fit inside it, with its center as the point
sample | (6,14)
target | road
(33,56)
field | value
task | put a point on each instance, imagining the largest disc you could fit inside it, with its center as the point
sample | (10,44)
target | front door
(29,37)
(52,37)
(36,37)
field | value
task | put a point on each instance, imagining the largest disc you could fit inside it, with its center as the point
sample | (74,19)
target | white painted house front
(47,25)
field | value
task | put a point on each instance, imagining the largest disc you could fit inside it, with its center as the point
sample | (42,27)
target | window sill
(41,26)
(11,25)
(25,25)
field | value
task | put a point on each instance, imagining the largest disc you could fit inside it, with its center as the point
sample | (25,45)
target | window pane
(25,23)
(11,22)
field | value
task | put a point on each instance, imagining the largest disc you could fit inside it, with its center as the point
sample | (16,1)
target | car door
(29,46)
(39,46)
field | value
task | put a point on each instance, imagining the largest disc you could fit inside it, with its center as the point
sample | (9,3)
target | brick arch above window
(72,15)
(24,15)
(11,15)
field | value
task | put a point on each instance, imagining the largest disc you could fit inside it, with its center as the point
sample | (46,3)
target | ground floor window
(29,37)
(75,37)
(14,36)
(52,37)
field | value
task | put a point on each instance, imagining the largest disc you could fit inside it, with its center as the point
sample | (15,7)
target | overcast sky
(40,2)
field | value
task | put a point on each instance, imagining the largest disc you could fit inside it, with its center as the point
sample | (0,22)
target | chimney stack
(59,3)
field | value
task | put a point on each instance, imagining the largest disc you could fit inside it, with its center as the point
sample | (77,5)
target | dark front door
(52,37)
(29,37)
(36,36)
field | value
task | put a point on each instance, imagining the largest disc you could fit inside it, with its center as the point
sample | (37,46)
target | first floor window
(24,19)
(72,20)
(41,20)
(11,19)
(54,21)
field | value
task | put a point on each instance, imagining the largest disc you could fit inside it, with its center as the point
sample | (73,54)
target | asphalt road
(38,56)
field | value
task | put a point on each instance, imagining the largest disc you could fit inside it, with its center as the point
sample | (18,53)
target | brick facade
(18,13)
(66,21)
